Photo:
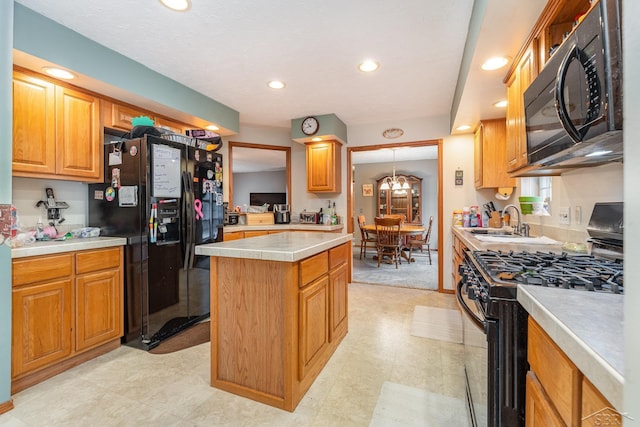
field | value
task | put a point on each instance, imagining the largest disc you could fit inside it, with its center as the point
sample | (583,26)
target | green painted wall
(6,119)
(62,46)
(330,124)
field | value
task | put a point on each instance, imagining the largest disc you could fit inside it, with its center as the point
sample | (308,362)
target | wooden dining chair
(424,240)
(389,240)
(403,217)
(366,240)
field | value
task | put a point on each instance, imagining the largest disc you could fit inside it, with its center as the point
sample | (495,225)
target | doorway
(386,150)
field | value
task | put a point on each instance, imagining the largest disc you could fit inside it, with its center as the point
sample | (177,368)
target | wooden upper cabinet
(549,31)
(520,80)
(78,134)
(169,125)
(323,166)
(490,155)
(118,116)
(56,131)
(34,130)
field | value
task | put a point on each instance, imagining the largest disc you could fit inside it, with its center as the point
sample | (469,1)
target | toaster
(309,217)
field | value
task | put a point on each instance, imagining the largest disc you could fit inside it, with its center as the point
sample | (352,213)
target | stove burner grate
(584,272)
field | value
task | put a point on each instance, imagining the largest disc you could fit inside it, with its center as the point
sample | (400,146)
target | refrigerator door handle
(192,222)
(187,213)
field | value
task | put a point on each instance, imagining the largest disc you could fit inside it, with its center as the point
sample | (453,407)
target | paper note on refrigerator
(166,171)
(128,196)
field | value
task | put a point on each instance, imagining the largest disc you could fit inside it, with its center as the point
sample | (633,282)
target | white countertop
(287,227)
(288,246)
(588,327)
(509,244)
(55,247)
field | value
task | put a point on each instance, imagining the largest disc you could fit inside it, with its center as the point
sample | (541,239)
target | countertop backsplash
(26,192)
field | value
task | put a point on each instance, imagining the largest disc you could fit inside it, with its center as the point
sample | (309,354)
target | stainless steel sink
(497,233)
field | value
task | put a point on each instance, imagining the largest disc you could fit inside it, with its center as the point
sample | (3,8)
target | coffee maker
(281,214)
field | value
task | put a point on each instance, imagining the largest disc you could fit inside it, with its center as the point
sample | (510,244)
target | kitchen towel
(437,323)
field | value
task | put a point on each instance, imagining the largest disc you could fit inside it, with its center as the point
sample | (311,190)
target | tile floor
(380,375)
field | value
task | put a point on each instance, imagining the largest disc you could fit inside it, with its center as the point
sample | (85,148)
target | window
(537,186)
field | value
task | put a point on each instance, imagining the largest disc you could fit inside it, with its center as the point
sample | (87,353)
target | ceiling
(229,50)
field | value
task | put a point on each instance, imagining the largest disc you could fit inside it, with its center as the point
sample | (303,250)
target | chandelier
(396,183)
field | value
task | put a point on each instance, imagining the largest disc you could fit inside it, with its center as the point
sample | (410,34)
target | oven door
(476,356)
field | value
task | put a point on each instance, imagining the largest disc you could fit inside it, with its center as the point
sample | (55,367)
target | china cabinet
(406,202)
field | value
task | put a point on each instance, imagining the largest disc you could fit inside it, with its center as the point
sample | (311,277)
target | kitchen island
(278,312)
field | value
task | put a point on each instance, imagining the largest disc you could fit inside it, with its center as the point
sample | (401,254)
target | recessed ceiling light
(501,104)
(495,63)
(213,127)
(463,127)
(276,84)
(177,5)
(316,139)
(368,66)
(59,73)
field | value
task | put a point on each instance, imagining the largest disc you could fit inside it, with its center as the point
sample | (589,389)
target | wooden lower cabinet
(66,309)
(41,328)
(557,392)
(539,408)
(314,324)
(457,258)
(274,325)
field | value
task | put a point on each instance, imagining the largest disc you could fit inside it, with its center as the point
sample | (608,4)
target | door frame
(350,189)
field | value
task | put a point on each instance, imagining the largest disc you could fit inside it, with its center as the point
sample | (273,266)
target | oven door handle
(478,321)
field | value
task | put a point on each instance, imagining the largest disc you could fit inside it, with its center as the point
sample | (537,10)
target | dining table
(406,230)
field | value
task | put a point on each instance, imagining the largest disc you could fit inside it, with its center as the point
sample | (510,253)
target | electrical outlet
(577,214)
(564,213)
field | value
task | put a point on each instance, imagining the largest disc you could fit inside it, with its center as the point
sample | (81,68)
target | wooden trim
(6,406)
(350,195)
(229,173)
(19,384)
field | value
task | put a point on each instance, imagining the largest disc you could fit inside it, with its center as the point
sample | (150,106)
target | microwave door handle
(595,94)
(561,107)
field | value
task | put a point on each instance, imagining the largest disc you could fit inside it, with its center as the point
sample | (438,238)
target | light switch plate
(564,215)
(577,214)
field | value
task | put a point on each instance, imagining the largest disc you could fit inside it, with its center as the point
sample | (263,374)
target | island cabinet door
(314,324)
(338,287)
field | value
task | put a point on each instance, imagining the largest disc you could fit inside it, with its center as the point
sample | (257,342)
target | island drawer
(313,267)
(338,255)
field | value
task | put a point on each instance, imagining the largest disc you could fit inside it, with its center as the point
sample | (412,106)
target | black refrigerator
(164,195)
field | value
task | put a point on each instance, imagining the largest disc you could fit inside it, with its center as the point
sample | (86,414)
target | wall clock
(310,125)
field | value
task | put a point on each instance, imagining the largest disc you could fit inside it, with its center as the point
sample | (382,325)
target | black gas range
(487,293)
(496,358)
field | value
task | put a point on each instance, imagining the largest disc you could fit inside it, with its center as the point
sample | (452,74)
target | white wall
(580,188)
(631,46)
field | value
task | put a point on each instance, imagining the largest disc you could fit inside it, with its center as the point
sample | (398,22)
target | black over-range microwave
(573,108)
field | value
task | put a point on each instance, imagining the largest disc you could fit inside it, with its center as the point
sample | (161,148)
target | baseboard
(6,406)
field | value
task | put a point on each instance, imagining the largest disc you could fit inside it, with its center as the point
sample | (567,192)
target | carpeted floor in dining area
(419,274)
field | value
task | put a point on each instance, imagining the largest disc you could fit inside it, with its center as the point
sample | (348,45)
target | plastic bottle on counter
(465,216)
(39,230)
(457,218)
(473,216)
